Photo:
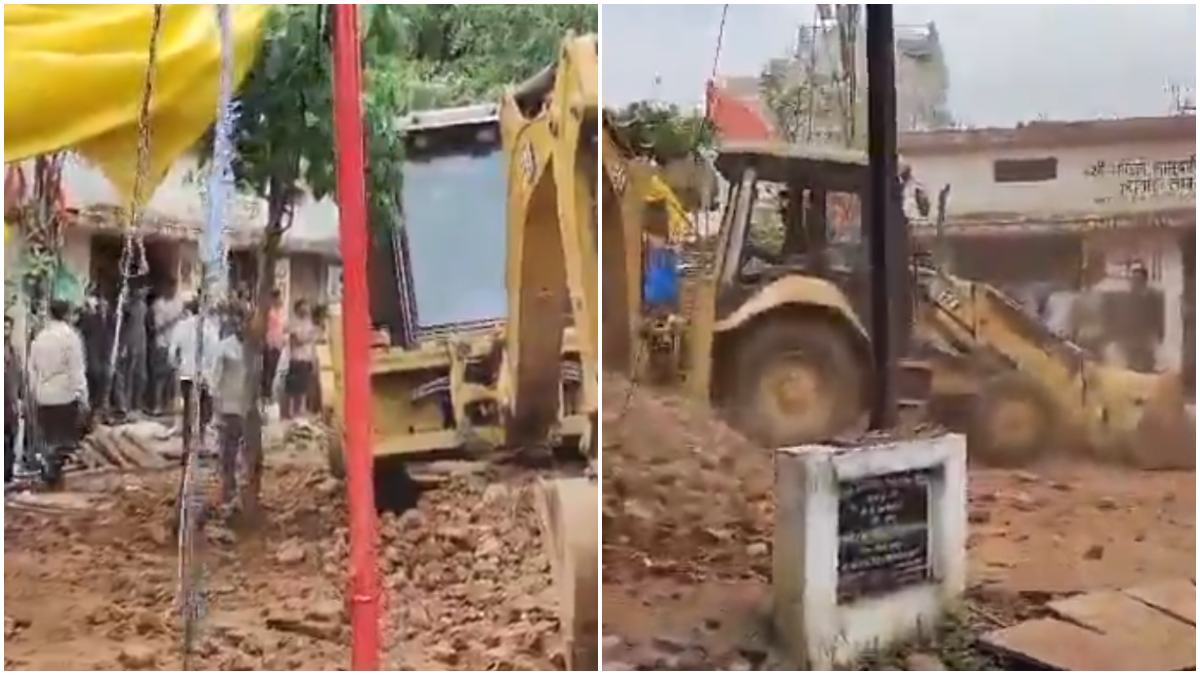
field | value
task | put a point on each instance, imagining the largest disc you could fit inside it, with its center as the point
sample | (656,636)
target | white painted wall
(1083,185)
(1101,181)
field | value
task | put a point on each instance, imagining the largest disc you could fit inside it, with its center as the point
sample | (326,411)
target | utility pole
(356,325)
(886,238)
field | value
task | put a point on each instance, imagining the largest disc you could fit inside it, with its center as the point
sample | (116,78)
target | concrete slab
(1159,637)
(1176,597)
(1055,644)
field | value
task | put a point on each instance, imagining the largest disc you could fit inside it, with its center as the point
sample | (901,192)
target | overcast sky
(1007,63)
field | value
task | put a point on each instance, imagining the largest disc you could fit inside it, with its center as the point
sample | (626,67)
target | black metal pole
(882,234)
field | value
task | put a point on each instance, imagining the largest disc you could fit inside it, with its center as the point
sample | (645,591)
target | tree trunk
(253,348)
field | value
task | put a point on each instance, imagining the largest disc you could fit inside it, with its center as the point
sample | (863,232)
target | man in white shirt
(166,313)
(230,380)
(193,376)
(58,379)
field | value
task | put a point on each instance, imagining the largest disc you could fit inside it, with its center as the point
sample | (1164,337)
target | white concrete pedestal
(818,630)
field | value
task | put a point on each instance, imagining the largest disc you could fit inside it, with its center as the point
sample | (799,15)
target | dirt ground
(687,541)
(466,585)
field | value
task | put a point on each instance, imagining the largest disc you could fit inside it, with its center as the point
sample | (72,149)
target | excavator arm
(548,126)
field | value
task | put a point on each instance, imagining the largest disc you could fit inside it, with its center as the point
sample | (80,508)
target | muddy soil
(465,583)
(687,541)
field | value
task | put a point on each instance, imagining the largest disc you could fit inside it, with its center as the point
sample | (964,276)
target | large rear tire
(1013,423)
(798,380)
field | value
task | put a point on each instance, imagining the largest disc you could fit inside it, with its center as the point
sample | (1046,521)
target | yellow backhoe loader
(1027,390)
(769,330)
(492,341)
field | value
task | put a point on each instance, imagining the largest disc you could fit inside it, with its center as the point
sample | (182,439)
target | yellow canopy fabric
(680,224)
(74,74)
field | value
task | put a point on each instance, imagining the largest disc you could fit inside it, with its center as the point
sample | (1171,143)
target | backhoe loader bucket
(568,511)
(1166,434)
(1140,419)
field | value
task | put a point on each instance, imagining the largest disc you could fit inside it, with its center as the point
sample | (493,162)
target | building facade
(1030,207)
(172,224)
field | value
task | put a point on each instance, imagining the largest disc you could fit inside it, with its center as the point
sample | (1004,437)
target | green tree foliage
(415,57)
(663,132)
(440,55)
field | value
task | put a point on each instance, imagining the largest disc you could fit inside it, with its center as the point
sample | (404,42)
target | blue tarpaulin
(661,286)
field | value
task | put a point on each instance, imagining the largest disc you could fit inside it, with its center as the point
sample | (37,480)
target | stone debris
(295,623)
(138,656)
(139,445)
(14,626)
(290,552)
(923,661)
(681,490)
(1027,477)
(1024,501)
(465,579)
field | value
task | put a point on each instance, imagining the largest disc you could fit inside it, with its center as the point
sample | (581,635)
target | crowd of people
(63,380)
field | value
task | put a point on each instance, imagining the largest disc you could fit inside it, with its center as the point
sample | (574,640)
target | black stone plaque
(883,533)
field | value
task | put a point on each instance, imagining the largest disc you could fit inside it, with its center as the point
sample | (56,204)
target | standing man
(166,313)
(133,361)
(194,377)
(58,380)
(230,381)
(320,318)
(1141,322)
(97,340)
(276,340)
(12,400)
(302,353)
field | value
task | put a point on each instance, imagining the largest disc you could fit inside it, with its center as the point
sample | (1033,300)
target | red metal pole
(352,228)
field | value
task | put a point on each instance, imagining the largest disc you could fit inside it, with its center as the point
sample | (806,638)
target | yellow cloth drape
(73,78)
(678,220)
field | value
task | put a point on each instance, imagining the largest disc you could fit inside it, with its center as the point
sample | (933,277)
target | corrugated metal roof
(736,118)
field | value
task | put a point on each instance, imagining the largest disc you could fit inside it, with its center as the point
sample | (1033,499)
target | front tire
(1013,423)
(798,380)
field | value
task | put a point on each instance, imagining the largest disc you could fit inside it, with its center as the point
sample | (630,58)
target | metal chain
(639,357)
(133,236)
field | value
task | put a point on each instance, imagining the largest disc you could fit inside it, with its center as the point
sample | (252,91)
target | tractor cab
(791,211)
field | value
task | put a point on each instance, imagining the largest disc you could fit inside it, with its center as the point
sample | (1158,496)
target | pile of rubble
(682,491)
(466,582)
(141,445)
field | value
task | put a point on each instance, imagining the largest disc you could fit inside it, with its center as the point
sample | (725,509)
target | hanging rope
(214,274)
(133,245)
